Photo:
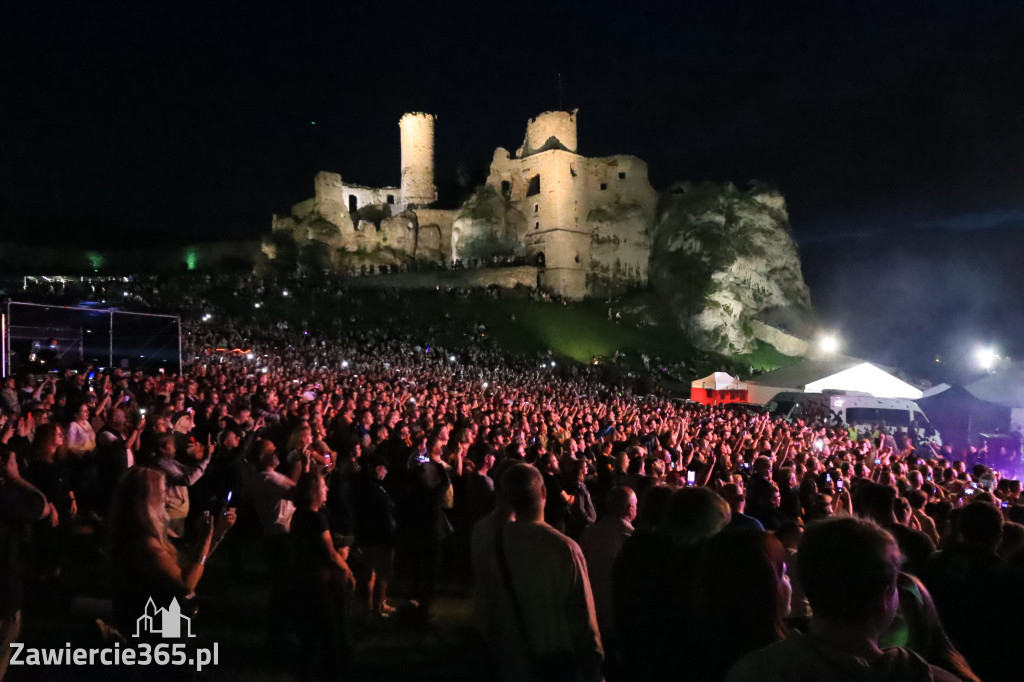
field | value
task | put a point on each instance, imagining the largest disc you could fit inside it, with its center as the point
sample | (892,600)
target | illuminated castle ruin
(584,222)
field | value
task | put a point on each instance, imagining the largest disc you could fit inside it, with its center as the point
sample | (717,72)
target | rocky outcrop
(487,225)
(722,258)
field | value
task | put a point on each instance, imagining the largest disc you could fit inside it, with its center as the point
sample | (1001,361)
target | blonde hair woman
(145,563)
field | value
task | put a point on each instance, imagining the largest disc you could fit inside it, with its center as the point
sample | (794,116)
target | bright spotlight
(249,356)
(344,364)
(986,358)
(451,358)
(829,343)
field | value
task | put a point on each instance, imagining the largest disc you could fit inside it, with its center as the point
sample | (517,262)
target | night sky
(895,129)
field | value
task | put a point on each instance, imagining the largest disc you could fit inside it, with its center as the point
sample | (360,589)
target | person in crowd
(114,456)
(9,402)
(181,471)
(541,620)
(81,437)
(666,557)
(324,584)
(917,627)
(268,492)
(601,543)
(917,499)
(877,502)
(21,504)
(145,565)
(847,622)
(558,501)
(47,470)
(581,512)
(480,488)
(427,525)
(375,525)
(960,575)
(739,573)
(733,494)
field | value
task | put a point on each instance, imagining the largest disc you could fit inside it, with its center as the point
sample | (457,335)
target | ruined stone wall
(442,220)
(620,179)
(587,220)
(620,248)
(304,209)
(619,212)
(372,196)
(479,278)
(550,130)
(334,197)
(568,282)
(593,216)
(418,159)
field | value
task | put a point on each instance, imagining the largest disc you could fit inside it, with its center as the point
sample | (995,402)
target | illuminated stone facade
(585,221)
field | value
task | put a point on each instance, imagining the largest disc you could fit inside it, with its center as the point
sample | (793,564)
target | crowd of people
(608,535)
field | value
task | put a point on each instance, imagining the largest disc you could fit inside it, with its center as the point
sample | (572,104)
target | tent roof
(801,373)
(717,381)
(847,374)
(1005,387)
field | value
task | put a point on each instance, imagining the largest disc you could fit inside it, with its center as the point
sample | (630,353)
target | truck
(861,411)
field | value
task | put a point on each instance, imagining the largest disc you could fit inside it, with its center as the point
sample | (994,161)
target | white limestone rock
(721,257)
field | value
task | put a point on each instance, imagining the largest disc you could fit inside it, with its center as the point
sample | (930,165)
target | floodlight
(829,343)
(986,357)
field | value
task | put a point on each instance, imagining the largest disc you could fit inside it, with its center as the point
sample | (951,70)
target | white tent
(718,387)
(817,376)
(866,378)
(717,381)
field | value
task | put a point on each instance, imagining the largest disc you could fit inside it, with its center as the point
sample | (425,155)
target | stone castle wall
(586,221)
(478,278)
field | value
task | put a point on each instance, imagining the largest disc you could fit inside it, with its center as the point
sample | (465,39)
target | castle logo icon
(169,623)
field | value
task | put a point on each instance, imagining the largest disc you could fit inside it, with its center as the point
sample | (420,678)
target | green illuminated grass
(578,331)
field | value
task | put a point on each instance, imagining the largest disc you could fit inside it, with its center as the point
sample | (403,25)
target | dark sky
(895,129)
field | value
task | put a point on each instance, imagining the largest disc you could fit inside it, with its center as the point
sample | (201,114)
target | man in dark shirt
(875,501)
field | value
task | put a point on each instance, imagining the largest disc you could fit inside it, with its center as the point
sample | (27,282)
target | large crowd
(608,535)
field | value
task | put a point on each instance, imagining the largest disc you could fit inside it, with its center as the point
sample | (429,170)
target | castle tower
(418,159)
(550,130)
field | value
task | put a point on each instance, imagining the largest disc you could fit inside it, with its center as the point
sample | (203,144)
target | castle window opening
(353,203)
(391,198)
(536,226)
(506,187)
(622,176)
(534,186)
(536,208)
(577,258)
(572,170)
(604,186)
